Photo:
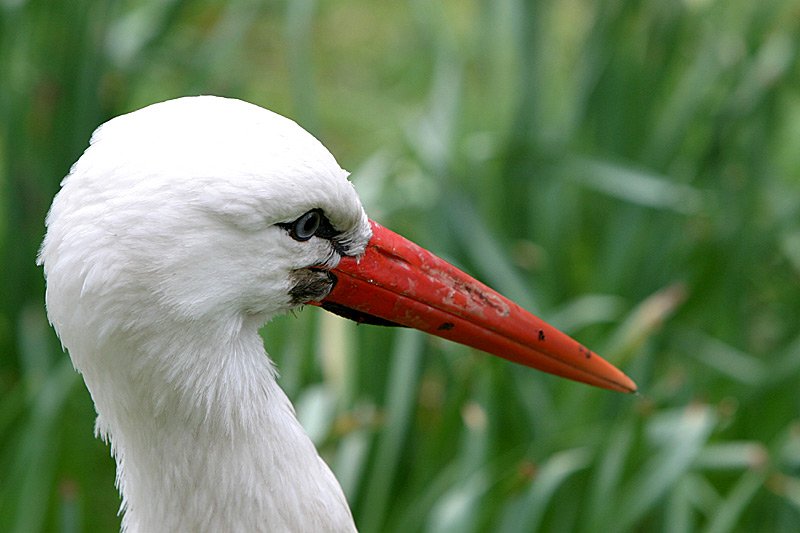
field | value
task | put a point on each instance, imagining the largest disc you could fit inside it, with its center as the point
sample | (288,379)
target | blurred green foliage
(629,170)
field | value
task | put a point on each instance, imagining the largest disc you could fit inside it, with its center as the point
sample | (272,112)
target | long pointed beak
(399,282)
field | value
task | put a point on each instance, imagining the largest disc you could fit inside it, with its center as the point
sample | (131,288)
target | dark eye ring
(306,226)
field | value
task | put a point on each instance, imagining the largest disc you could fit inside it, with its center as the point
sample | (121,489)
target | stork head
(205,210)
(198,209)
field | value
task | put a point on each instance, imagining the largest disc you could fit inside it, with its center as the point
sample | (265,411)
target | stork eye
(313,224)
(306,226)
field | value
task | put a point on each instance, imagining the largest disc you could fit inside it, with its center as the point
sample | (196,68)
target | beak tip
(626,385)
(616,380)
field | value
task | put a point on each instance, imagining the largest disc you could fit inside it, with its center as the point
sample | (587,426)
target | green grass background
(628,170)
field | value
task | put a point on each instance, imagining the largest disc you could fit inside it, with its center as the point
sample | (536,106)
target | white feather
(162,260)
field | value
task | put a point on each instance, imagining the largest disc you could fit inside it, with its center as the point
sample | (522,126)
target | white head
(177,205)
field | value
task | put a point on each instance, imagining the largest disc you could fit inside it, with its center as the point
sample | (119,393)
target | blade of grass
(637,186)
(681,437)
(458,509)
(586,310)
(352,457)
(33,470)
(740,496)
(610,472)
(530,510)
(732,455)
(726,359)
(678,513)
(642,322)
(455,511)
(403,383)
(299,31)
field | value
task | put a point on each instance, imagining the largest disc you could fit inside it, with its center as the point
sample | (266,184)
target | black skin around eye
(324,230)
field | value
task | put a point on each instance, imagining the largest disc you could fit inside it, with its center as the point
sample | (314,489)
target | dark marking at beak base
(311,284)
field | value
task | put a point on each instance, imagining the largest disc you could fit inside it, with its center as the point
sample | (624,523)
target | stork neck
(205,440)
(214,375)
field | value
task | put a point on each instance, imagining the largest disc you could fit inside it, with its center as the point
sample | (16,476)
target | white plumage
(162,260)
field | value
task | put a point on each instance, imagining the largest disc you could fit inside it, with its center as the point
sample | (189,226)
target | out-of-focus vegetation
(628,170)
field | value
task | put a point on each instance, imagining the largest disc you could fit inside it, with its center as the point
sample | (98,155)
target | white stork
(181,230)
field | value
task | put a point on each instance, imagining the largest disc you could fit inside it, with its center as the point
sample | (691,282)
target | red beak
(399,282)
